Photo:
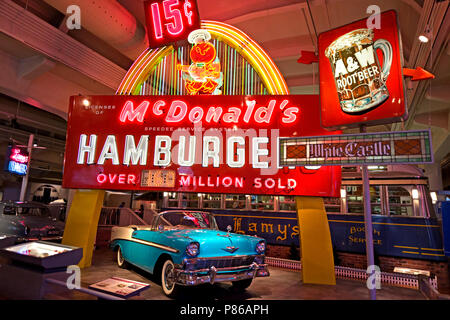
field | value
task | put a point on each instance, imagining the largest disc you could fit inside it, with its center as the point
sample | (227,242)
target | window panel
(400,201)
(189,200)
(286,203)
(235,201)
(332,204)
(262,202)
(212,201)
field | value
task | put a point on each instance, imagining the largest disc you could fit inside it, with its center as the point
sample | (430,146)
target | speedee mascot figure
(203,76)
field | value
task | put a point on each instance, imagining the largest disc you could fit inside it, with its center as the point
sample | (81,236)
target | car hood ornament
(229,228)
(230,249)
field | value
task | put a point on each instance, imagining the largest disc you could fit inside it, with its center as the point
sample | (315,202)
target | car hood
(215,242)
(39,226)
(41,222)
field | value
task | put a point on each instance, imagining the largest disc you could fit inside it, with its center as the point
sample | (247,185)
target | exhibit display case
(6,240)
(30,264)
(43,254)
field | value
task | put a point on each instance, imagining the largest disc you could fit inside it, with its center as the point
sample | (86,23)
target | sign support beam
(368,227)
(315,241)
(368,224)
(23,189)
(82,222)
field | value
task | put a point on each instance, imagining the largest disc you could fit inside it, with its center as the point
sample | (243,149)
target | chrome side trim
(126,233)
(151,244)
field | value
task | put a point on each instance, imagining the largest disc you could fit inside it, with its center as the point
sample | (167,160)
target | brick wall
(386,264)
(283,252)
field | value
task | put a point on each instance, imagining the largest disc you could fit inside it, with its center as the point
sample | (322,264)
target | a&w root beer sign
(361,78)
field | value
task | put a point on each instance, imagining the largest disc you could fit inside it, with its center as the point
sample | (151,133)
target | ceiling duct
(111,22)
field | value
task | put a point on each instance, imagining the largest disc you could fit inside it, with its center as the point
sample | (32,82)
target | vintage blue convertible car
(186,248)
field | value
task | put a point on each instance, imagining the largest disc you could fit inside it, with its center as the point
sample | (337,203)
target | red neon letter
(214,113)
(264,114)
(185,181)
(232,115)
(248,112)
(156,21)
(131,179)
(187,13)
(175,27)
(171,116)
(101,178)
(156,107)
(196,115)
(128,112)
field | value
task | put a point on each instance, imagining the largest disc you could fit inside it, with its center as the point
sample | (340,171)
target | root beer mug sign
(361,77)
(360,82)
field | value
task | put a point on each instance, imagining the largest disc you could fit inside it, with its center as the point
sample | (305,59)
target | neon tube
(235,38)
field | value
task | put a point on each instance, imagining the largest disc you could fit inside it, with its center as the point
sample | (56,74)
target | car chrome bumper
(214,275)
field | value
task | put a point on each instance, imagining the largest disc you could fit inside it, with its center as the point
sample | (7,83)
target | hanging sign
(400,147)
(192,143)
(361,80)
(169,21)
(16,160)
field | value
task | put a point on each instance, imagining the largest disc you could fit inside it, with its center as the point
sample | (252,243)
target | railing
(393,279)
(111,216)
(284,263)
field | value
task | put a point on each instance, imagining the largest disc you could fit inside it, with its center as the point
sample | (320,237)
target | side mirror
(229,228)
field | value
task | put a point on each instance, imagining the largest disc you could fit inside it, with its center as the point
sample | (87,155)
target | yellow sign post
(315,241)
(82,222)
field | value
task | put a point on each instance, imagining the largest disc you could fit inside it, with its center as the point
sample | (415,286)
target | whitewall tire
(121,260)
(168,282)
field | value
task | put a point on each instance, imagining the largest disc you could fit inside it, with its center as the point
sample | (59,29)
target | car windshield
(186,220)
(29,211)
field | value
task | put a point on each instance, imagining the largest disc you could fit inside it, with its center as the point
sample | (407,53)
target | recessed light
(423,38)
(86,102)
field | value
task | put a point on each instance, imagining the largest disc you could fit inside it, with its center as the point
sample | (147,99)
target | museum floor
(281,285)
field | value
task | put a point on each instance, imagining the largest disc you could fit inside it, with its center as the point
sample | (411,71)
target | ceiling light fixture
(423,38)
(86,102)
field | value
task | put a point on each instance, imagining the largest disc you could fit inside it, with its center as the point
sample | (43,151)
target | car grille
(196,264)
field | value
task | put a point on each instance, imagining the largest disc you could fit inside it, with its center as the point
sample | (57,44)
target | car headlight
(261,247)
(193,249)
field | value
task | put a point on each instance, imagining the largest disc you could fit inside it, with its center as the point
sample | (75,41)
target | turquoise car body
(225,252)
